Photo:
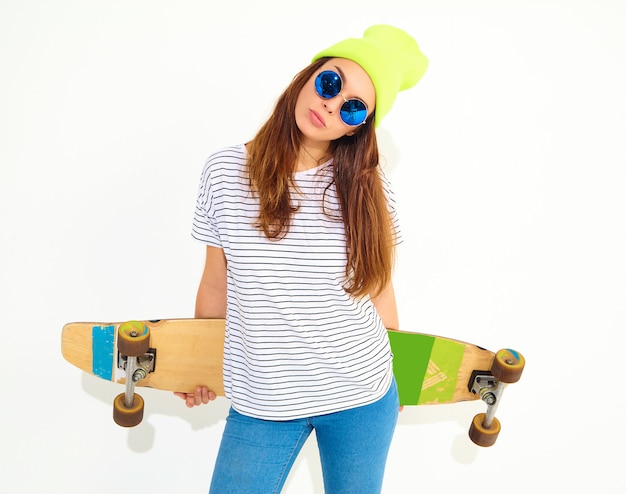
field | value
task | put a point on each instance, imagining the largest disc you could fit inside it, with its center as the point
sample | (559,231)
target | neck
(310,156)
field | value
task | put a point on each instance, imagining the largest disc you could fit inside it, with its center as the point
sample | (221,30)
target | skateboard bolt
(138,375)
(133,334)
(489,398)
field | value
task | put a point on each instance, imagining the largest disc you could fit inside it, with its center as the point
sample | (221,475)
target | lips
(316,119)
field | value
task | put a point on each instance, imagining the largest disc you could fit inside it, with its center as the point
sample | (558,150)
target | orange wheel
(128,417)
(507,366)
(481,435)
(133,339)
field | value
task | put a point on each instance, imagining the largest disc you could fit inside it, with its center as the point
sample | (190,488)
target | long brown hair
(272,156)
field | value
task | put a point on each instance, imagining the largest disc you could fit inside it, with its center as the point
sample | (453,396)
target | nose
(332,105)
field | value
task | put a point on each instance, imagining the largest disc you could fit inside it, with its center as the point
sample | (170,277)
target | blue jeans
(255,455)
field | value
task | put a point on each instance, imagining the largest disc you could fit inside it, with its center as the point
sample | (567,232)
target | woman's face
(318,118)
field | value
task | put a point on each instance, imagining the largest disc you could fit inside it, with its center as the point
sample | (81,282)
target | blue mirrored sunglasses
(328,84)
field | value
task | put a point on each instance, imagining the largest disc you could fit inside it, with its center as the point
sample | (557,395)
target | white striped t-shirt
(296,344)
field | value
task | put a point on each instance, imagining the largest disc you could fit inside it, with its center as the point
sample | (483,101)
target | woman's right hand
(200,396)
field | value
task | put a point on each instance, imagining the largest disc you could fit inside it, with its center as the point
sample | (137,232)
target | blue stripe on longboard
(102,343)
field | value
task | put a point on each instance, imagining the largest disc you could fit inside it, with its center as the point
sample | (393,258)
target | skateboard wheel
(128,417)
(507,366)
(481,435)
(133,339)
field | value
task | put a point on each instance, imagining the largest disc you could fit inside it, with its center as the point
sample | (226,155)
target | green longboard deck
(426,367)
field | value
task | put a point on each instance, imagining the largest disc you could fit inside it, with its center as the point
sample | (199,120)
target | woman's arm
(385,303)
(211,297)
(210,304)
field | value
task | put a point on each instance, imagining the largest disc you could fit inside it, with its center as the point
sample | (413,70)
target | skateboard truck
(506,368)
(144,365)
(133,344)
(483,384)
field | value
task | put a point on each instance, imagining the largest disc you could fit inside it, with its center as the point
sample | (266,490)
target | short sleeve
(204,228)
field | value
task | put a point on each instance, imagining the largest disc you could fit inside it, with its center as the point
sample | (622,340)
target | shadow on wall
(462,449)
(142,438)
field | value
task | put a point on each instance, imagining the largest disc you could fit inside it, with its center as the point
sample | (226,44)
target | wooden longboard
(433,370)
(189,352)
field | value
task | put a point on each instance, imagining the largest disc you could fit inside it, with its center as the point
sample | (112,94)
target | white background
(507,159)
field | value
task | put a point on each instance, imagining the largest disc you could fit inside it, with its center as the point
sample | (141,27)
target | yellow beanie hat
(391,58)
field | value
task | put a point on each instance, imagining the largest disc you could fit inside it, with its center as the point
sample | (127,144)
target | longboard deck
(189,352)
(428,369)
(432,370)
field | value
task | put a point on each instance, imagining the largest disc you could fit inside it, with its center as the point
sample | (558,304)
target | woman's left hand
(202,395)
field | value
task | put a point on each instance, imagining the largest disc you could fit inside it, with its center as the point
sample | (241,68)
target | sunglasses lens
(353,112)
(328,84)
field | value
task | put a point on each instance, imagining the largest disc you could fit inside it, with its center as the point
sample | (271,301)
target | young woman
(300,229)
